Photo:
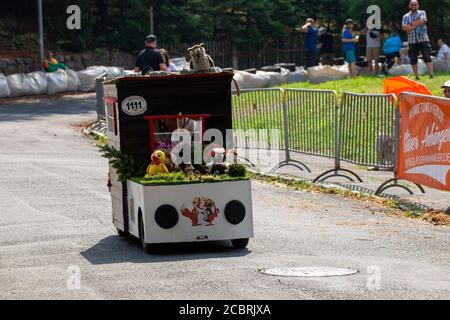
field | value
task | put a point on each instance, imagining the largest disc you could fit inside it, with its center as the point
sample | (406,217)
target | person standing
(326,47)
(415,24)
(311,48)
(150,59)
(373,49)
(349,46)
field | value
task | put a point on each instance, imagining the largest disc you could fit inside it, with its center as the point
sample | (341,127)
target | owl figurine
(200,61)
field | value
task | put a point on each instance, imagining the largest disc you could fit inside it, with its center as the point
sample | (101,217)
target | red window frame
(151,120)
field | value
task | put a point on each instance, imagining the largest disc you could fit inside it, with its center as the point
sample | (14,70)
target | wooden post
(150,12)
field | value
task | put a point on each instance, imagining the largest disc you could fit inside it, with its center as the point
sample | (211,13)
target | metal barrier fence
(305,121)
(359,130)
(312,121)
(245,56)
(258,119)
(366,130)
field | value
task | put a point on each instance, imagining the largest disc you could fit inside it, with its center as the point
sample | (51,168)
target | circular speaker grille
(235,212)
(166,216)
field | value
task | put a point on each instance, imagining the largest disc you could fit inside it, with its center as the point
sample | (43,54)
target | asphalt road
(55,220)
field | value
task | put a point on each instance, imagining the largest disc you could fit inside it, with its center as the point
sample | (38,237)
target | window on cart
(111,117)
(166,131)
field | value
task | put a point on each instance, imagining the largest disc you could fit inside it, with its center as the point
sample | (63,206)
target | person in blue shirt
(391,49)
(311,43)
(349,46)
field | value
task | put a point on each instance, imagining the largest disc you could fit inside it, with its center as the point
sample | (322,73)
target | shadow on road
(114,249)
(31,109)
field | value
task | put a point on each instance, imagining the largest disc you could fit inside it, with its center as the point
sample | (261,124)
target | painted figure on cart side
(204,212)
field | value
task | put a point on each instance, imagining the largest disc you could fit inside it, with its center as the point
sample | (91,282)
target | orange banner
(424,145)
(401,84)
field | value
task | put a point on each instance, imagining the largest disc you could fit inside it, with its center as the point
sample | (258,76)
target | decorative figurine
(217,164)
(189,170)
(168,161)
(200,61)
(157,166)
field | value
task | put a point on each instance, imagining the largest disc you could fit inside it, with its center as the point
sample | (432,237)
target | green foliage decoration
(125,165)
(237,170)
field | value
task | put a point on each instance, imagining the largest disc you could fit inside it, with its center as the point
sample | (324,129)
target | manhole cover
(309,272)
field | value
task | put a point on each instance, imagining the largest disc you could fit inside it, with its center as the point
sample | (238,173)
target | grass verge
(369,84)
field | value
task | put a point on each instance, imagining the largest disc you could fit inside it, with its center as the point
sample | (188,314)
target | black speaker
(166,216)
(235,212)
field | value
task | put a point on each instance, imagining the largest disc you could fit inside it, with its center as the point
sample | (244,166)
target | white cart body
(144,201)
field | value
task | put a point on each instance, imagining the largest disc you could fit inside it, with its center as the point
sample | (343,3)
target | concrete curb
(404,205)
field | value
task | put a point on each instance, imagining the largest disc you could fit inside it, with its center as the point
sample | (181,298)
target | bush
(103,54)
(27,41)
(125,165)
(237,170)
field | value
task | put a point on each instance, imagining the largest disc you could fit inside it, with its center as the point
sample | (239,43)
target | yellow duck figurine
(157,166)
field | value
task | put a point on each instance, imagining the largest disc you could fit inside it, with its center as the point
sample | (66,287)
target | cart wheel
(239,243)
(122,233)
(148,248)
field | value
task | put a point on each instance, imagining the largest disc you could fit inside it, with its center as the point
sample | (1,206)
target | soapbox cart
(188,211)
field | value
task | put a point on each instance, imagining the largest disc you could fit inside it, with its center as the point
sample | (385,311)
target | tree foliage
(122,24)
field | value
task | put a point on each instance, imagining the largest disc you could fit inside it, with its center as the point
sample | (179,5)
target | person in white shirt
(170,66)
(375,41)
(444,51)
(415,24)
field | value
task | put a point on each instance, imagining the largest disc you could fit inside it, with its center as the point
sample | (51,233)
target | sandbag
(299,75)
(406,69)
(114,72)
(18,85)
(441,66)
(239,78)
(4,88)
(97,70)
(131,73)
(36,83)
(258,80)
(252,81)
(275,78)
(57,82)
(325,73)
(73,81)
(87,77)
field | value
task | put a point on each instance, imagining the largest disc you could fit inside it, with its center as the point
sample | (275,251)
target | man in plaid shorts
(415,24)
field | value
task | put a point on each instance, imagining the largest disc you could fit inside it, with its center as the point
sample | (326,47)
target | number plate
(134,105)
